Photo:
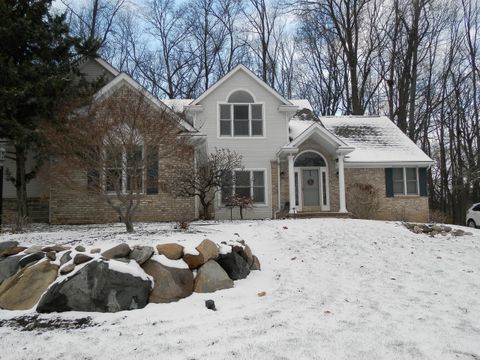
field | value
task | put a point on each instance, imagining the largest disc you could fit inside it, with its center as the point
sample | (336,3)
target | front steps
(319,214)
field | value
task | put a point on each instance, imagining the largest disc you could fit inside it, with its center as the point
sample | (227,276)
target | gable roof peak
(251,74)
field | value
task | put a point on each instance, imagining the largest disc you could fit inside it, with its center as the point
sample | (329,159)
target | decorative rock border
(58,278)
(434,229)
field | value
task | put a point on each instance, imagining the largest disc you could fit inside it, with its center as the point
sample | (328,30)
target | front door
(311,189)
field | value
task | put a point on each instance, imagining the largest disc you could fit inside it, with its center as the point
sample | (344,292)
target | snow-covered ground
(335,289)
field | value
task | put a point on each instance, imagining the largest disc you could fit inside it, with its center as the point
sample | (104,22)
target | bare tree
(211,174)
(113,145)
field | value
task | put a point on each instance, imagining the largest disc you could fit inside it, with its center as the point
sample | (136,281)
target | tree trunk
(21,182)
(129,226)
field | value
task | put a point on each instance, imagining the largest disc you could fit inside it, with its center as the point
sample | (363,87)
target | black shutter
(422,179)
(389,182)
(152,169)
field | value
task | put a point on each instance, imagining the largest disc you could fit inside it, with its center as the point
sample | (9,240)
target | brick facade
(404,208)
(71,205)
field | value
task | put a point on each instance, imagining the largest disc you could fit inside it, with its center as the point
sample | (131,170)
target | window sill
(245,137)
(406,196)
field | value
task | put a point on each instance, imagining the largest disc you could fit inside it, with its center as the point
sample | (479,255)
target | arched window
(241,116)
(310,159)
(240,96)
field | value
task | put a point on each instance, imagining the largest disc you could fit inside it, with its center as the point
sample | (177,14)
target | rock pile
(60,278)
(435,229)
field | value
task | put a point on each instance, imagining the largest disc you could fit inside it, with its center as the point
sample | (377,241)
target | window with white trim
(241,116)
(405,181)
(246,183)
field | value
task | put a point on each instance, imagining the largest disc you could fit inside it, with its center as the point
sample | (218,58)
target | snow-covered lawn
(335,289)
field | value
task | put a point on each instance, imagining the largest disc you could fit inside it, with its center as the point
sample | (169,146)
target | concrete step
(319,214)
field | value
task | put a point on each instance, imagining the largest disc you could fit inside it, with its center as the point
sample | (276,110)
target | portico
(315,162)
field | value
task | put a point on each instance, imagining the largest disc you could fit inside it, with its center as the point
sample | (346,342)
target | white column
(341,183)
(291,184)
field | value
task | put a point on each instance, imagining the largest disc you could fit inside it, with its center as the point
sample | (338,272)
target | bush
(364,200)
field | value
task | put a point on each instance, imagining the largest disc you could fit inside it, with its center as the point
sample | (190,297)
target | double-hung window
(124,170)
(241,116)
(246,183)
(405,181)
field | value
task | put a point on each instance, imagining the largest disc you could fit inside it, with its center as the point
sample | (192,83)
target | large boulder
(33,249)
(9,266)
(171,283)
(23,290)
(211,277)
(103,286)
(172,251)
(6,246)
(246,253)
(256,264)
(31,258)
(234,265)
(119,251)
(13,251)
(141,254)
(206,250)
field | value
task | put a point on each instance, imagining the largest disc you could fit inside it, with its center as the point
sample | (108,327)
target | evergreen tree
(36,58)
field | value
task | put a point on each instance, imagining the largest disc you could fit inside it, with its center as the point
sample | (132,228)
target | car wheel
(471,223)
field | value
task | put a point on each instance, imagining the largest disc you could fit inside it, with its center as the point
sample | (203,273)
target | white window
(124,170)
(241,116)
(246,183)
(405,181)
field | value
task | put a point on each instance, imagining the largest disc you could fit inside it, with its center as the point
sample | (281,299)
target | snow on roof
(375,138)
(298,126)
(177,105)
(302,104)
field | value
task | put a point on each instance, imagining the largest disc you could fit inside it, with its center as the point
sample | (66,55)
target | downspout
(278,189)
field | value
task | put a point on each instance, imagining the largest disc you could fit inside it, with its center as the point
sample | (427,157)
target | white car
(473,216)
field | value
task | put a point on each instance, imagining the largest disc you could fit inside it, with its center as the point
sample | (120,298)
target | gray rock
(170,284)
(210,305)
(96,287)
(458,232)
(141,254)
(447,228)
(80,248)
(95,251)
(9,266)
(33,249)
(6,246)
(31,258)
(65,258)
(437,228)
(234,265)
(52,255)
(119,251)
(81,258)
(211,277)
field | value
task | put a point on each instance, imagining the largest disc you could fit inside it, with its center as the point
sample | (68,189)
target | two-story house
(293,162)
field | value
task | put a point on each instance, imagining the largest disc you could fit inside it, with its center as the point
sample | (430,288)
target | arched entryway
(311,182)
